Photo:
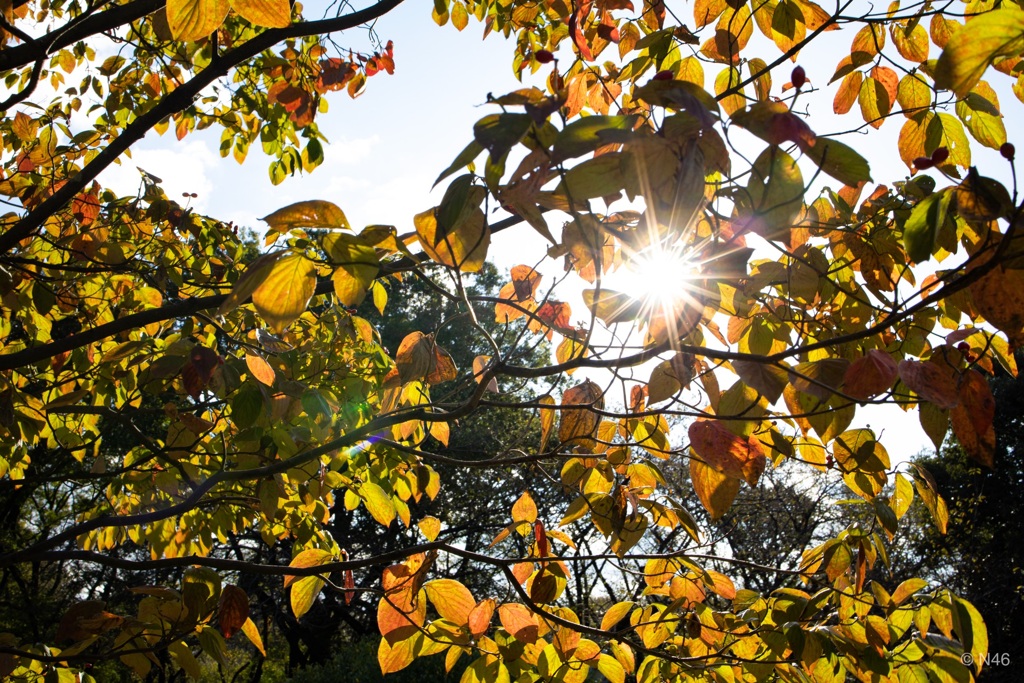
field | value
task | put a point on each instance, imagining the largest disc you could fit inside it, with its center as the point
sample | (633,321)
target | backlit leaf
(378,503)
(260,369)
(524,509)
(269,13)
(922,227)
(967,55)
(191,20)
(519,621)
(732,455)
(463,246)
(285,291)
(869,375)
(451,599)
(715,490)
(980,113)
(253,634)
(309,214)
(303,594)
(233,611)
(577,426)
(929,381)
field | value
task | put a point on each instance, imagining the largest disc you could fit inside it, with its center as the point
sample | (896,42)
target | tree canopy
(180,406)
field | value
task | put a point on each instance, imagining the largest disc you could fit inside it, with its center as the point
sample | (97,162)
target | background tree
(266,419)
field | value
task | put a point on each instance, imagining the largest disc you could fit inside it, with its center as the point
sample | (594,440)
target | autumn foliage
(188,397)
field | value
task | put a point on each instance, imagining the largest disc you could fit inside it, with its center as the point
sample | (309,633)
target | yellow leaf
(430,527)
(715,490)
(269,13)
(547,420)
(260,369)
(253,277)
(611,669)
(310,557)
(285,292)
(524,509)
(464,246)
(378,503)
(968,53)
(357,266)
(615,614)
(451,599)
(304,592)
(253,634)
(191,20)
(310,214)
(395,657)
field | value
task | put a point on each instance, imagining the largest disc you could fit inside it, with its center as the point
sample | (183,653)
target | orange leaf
(732,455)
(260,369)
(578,426)
(315,213)
(848,91)
(480,617)
(519,621)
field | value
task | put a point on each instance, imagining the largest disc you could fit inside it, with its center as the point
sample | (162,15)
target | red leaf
(541,538)
(726,452)
(234,610)
(582,9)
(350,583)
(198,372)
(931,382)
(870,375)
(335,73)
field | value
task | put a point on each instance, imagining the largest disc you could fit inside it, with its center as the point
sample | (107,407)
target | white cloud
(182,169)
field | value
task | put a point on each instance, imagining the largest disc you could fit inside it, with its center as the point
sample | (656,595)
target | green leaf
(378,503)
(922,227)
(498,133)
(598,177)
(285,292)
(999,33)
(587,134)
(775,191)
(839,160)
(465,158)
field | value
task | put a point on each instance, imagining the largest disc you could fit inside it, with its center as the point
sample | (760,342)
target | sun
(659,276)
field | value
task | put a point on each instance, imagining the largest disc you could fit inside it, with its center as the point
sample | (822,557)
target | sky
(387,147)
